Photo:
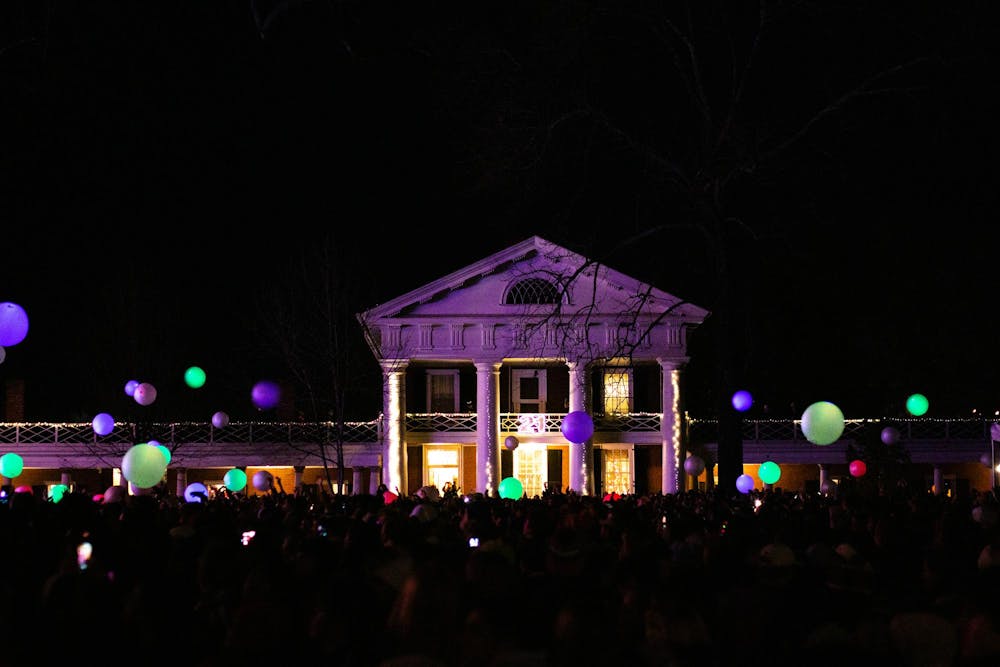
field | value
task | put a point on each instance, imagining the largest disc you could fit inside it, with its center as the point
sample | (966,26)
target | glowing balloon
(857,468)
(742,400)
(917,404)
(103,423)
(220,419)
(510,442)
(195,492)
(163,450)
(13,324)
(144,393)
(769,472)
(24,488)
(11,465)
(57,492)
(235,479)
(744,483)
(694,465)
(822,423)
(890,435)
(577,426)
(97,498)
(510,488)
(194,377)
(389,497)
(130,388)
(265,394)
(263,480)
(144,465)
(114,494)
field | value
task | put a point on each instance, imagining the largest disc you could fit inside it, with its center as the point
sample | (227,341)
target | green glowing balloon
(58,491)
(769,472)
(144,465)
(511,488)
(235,480)
(917,404)
(11,465)
(822,423)
(163,450)
(194,377)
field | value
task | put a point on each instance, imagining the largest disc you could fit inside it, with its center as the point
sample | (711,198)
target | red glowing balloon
(857,468)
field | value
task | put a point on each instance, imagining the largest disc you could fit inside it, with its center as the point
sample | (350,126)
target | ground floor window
(531,467)
(617,470)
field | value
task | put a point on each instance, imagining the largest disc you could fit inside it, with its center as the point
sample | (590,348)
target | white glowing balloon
(144,393)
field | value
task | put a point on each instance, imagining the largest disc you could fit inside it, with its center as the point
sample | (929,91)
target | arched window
(532,290)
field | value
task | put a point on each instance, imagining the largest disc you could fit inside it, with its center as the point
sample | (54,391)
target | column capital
(393,365)
(672,363)
(489,365)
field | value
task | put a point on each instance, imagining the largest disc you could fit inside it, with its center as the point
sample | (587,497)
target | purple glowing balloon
(130,387)
(694,465)
(744,484)
(577,426)
(220,419)
(13,324)
(103,423)
(742,400)
(265,394)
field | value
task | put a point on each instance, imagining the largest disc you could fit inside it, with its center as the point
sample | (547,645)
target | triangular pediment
(529,289)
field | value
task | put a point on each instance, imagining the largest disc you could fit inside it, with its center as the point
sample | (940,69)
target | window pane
(442,393)
(529,388)
(616,392)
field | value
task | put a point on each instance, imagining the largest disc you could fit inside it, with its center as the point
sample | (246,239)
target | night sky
(166,169)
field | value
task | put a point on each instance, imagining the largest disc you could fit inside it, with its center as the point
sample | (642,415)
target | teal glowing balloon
(769,472)
(144,465)
(744,483)
(57,492)
(917,405)
(163,450)
(235,480)
(11,465)
(822,423)
(194,377)
(511,488)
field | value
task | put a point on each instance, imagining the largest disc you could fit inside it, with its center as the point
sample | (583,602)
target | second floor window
(617,391)
(442,391)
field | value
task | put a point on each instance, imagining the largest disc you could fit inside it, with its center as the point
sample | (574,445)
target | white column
(824,478)
(373,481)
(356,484)
(65,478)
(580,454)
(487,427)
(394,415)
(670,424)
(182,481)
(938,481)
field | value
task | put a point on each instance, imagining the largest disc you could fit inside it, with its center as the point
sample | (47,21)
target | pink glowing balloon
(13,324)
(857,468)
(265,394)
(144,393)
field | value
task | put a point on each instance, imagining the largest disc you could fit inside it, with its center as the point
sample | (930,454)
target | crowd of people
(694,578)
